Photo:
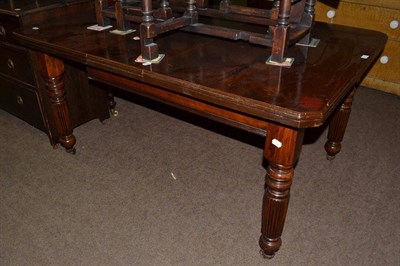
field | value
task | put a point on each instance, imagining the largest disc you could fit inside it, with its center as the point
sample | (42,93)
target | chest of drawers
(22,92)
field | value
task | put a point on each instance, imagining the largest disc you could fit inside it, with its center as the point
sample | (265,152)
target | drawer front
(21,102)
(15,62)
(8,24)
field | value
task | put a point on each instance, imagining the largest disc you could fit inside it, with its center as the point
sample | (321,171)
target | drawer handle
(2,31)
(10,64)
(20,101)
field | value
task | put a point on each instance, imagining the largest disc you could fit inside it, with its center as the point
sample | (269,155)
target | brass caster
(330,157)
(71,151)
(266,256)
(113,112)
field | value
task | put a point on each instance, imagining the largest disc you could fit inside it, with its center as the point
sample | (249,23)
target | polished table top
(229,74)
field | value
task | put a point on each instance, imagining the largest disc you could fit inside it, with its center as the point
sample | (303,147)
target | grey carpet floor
(152,188)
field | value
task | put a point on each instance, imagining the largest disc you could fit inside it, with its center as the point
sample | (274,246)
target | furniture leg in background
(52,71)
(111,103)
(337,127)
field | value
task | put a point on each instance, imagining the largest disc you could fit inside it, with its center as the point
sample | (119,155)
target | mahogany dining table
(223,80)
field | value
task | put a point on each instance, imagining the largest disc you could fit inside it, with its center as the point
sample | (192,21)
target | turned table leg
(282,149)
(337,127)
(149,48)
(281,32)
(52,71)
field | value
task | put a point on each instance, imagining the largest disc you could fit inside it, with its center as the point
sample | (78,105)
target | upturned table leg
(149,48)
(282,149)
(52,71)
(281,32)
(337,127)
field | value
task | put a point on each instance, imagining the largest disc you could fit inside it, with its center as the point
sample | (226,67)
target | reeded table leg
(52,71)
(282,149)
(337,127)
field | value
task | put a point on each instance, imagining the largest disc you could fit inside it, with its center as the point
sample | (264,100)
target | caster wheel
(266,256)
(114,112)
(72,151)
(330,157)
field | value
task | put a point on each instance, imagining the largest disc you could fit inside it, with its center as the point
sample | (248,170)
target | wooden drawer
(15,62)
(20,101)
(8,24)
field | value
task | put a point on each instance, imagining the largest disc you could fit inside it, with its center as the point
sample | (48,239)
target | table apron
(216,113)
